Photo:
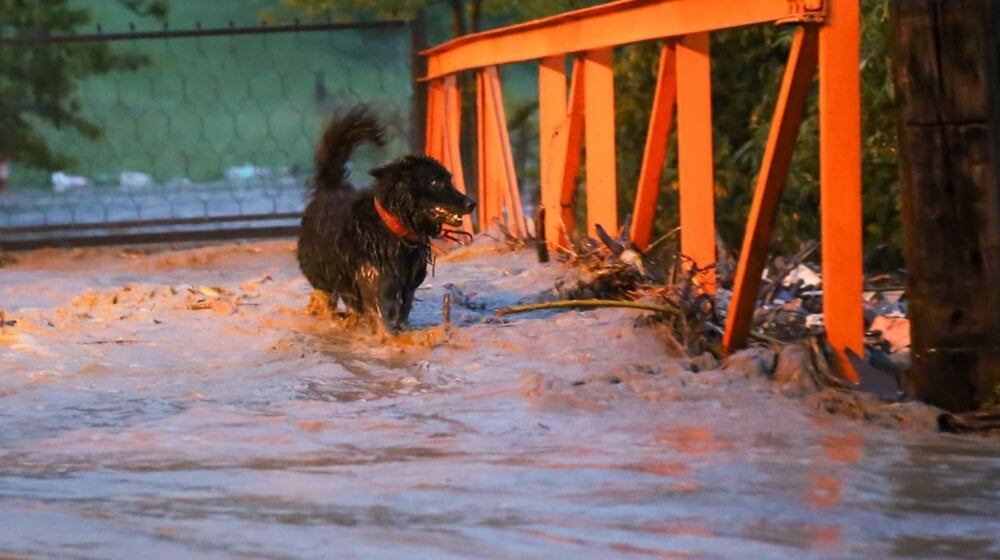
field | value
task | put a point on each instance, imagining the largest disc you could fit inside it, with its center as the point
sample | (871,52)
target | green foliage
(351,9)
(38,82)
(505,10)
(747,66)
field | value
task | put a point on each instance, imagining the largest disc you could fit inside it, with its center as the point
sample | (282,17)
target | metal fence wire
(212,138)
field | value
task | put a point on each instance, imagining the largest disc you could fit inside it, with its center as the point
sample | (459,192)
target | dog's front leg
(391,306)
(381,295)
(418,274)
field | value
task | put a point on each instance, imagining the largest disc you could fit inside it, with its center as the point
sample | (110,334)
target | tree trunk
(947,85)
(476,16)
(418,67)
(458,18)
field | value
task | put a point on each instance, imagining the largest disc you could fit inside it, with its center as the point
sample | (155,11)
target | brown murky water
(183,405)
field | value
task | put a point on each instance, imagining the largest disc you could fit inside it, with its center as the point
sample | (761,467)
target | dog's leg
(406,305)
(321,303)
(371,291)
(353,301)
(391,304)
(418,272)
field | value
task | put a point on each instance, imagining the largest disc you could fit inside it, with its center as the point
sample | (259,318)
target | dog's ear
(393,168)
(383,171)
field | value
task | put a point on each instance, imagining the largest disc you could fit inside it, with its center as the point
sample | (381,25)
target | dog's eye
(437,184)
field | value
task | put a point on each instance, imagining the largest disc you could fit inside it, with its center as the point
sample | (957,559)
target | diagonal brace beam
(657,138)
(784,131)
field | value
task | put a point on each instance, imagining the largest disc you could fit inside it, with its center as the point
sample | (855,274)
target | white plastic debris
(62,182)
(802,272)
(245,172)
(134,181)
(814,320)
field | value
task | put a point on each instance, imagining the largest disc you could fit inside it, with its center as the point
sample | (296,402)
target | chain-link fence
(211,137)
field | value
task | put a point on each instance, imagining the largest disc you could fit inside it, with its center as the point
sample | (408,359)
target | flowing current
(184,404)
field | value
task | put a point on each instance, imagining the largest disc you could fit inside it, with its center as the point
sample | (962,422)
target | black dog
(370,248)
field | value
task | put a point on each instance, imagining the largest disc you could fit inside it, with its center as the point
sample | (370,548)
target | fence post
(947,83)
(599,141)
(695,155)
(840,179)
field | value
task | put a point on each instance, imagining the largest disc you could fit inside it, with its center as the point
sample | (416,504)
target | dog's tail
(344,133)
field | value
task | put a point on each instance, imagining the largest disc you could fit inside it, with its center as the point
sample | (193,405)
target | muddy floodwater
(184,404)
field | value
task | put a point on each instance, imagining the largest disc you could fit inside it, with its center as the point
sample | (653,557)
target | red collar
(395,225)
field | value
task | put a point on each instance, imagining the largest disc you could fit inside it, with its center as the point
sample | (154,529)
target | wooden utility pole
(948,90)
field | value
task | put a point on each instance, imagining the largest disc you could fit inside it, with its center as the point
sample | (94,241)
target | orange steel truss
(581,117)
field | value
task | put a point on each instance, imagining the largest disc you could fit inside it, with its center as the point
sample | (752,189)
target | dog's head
(418,191)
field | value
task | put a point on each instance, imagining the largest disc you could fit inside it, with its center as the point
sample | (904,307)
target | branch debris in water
(587,303)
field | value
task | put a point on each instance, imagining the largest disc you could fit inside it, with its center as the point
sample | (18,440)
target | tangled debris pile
(789,318)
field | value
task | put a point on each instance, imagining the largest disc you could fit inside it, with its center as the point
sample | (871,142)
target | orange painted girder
(452,155)
(657,136)
(490,190)
(497,181)
(695,156)
(573,146)
(599,27)
(561,138)
(433,140)
(511,193)
(551,141)
(771,180)
(840,179)
(599,133)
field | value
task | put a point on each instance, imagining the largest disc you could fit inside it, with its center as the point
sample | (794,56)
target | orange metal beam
(599,132)
(551,143)
(599,27)
(572,148)
(657,136)
(781,139)
(445,125)
(840,179)
(694,155)
(452,127)
(512,196)
(490,191)
(435,114)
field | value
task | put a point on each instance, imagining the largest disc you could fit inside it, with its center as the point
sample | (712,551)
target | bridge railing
(576,111)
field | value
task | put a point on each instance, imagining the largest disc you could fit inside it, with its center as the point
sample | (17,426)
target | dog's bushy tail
(345,132)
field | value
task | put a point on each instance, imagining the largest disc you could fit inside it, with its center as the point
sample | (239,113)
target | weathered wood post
(948,88)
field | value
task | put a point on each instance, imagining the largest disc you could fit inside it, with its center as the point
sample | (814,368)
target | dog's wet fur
(347,249)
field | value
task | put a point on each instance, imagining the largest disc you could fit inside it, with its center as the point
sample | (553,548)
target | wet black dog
(370,248)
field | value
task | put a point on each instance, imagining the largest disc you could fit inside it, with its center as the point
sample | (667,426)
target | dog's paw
(319,304)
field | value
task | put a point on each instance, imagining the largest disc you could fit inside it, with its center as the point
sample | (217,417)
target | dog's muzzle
(453,216)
